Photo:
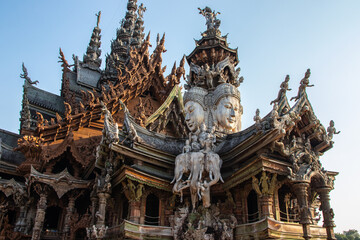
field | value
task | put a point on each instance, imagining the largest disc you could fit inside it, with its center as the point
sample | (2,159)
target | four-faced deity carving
(195,109)
(227,109)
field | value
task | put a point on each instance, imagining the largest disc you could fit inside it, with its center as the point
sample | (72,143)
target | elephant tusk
(221,179)
(180,177)
(172,180)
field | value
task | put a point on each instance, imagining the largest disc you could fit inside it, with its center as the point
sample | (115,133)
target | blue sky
(274,38)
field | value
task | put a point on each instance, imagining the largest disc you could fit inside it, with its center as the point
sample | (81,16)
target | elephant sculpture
(197,168)
(213,165)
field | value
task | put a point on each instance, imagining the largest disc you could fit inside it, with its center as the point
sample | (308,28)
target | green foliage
(351,234)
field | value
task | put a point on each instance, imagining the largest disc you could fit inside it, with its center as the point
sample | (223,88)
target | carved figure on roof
(180,71)
(332,130)
(208,75)
(40,120)
(257,119)
(25,76)
(210,16)
(195,108)
(98,15)
(284,86)
(160,48)
(67,109)
(227,109)
(304,83)
(141,10)
(111,128)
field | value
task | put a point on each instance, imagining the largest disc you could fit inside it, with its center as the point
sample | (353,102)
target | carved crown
(224,90)
(196,94)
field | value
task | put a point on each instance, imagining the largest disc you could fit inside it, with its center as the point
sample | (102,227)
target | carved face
(194,115)
(228,114)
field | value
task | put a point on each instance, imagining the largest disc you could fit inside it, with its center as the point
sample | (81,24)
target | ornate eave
(252,167)
(216,42)
(9,187)
(170,111)
(146,154)
(54,150)
(62,182)
(235,147)
(140,177)
(175,93)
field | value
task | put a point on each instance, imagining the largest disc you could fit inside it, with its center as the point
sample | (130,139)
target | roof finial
(25,76)
(141,10)
(92,57)
(211,21)
(98,15)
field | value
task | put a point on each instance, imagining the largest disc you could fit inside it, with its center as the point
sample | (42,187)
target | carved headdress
(224,90)
(196,94)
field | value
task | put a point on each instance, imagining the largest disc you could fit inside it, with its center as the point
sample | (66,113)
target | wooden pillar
(40,216)
(239,211)
(103,196)
(327,212)
(69,212)
(162,207)
(266,206)
(20,223)
(301,190)
(94,201)
(277,205)
(135,211)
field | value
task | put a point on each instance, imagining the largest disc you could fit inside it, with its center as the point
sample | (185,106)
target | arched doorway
(125,210)
(252,207)
(52,217)
(152,210)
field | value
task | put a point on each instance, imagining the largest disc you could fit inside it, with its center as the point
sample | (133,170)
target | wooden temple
(97,162)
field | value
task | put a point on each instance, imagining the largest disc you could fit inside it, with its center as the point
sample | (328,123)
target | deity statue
(227,109)
(304,83)
(211,20)
(332,130)
(195,109)
(282,92)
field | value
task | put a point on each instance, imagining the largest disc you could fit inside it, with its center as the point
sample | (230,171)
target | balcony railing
(138,231)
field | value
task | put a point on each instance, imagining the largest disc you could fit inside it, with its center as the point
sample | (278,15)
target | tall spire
(25,115)
(130,34)
(93,52)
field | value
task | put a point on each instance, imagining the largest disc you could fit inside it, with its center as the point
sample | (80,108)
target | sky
(274,38)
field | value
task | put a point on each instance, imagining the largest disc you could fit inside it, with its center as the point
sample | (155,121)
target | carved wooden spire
(93,52)
(130,34)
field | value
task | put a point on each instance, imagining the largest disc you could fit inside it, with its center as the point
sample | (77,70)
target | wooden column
(266,205)
(135,211)
(94,201)
(103,196)
(69,212)
(40,216)
(327,212)
(239,211)
(301,190)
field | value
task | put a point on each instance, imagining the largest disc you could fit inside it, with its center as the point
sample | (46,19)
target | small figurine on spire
(211,20)
(98,15)
(141,10)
